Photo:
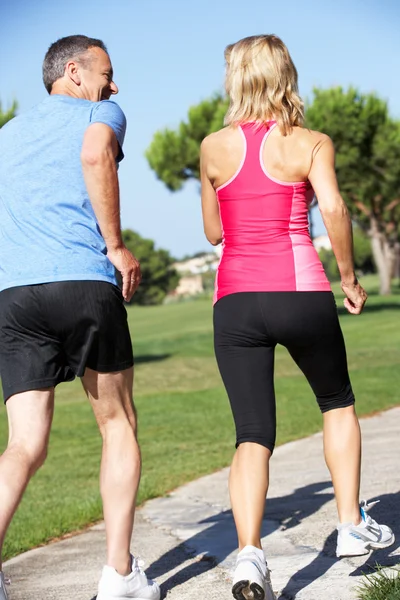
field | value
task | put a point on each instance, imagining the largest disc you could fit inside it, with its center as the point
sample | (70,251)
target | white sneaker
(113,586)
(356,540)
(251,580)
(3,582)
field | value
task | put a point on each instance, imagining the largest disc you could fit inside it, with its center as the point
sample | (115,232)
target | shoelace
(7,580)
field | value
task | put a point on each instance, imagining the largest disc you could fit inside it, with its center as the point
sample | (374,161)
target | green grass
(382,585)
(185,426)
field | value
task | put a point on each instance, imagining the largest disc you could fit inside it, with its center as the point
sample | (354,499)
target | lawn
(185,426)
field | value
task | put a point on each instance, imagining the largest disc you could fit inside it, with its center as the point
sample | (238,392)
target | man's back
(49,231)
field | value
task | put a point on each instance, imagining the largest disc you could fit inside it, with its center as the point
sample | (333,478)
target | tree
(363,258)
(363,261)
(8,115)
(208,281)
(330,265)
(367,145)
(174,155)
(158,277)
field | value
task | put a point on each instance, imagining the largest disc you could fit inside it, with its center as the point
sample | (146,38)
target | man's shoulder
(108,108)
(25,115)
(110,113)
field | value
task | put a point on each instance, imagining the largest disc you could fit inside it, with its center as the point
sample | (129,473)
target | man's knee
(32,453)
(117,424)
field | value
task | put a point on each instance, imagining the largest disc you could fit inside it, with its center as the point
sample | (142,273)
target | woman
(259,175)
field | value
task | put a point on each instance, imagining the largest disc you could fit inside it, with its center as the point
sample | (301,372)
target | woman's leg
(308,326)
(318,348)
(245,357)
(248,486)
(342,447)
(342,436)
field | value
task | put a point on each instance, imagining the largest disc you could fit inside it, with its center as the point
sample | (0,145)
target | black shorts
(248,326)
(51,332)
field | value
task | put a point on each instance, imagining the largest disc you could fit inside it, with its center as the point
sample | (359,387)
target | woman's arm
(337,221)
(209,203)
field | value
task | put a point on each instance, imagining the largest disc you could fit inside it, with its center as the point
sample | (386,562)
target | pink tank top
(266,244)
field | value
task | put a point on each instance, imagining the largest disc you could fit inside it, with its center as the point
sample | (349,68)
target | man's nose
(113,88)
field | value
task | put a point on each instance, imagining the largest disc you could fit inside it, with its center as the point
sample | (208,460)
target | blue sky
(168,55)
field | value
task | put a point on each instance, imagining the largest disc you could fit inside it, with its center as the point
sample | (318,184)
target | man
(61,314)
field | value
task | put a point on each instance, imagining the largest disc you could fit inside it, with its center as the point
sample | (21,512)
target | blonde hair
(261,82)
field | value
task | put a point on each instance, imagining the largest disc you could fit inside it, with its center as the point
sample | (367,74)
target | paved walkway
(189,542)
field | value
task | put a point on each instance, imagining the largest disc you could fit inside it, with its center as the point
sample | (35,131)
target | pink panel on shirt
(310,273)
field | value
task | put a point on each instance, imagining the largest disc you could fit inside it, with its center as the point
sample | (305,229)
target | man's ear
(72,71)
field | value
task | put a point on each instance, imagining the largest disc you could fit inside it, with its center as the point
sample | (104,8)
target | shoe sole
(244,590)
(368,547)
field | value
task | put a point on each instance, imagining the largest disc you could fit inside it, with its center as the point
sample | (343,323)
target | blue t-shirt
(48,229)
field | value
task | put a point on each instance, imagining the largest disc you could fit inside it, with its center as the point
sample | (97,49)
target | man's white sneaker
(135,586)
(3,582)
(251,580)
(356,540)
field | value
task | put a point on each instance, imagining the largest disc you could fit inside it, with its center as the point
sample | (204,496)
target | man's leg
(30,415)
(110,395)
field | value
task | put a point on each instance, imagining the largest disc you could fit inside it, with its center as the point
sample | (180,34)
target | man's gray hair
(68,48)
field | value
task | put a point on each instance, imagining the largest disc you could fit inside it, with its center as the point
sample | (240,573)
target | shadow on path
(318,567)
(385,512)
(219,540)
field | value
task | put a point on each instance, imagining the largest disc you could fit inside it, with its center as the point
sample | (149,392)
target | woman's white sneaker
(135,586)
(251,580)
(356,540)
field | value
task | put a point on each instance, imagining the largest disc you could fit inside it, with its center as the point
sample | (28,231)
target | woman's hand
(356,297)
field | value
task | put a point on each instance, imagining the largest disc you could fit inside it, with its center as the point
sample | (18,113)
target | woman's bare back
(286,158)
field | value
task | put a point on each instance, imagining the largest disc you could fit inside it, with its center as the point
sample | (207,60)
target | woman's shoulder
(309,135)
(218,139)
(307,139)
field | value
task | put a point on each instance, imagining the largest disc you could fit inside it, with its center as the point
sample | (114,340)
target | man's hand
(356,297)
(129,267)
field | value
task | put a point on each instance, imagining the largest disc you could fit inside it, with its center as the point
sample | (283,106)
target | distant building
(322,242)
(199,264)
(189,285)
(192,271)
(218,250)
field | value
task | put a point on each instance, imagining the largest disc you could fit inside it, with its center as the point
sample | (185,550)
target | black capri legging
(248,326)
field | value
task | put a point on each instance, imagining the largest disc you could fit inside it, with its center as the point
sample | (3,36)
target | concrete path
(188,538)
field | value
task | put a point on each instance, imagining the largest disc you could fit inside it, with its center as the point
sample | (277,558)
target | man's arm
(98,156)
